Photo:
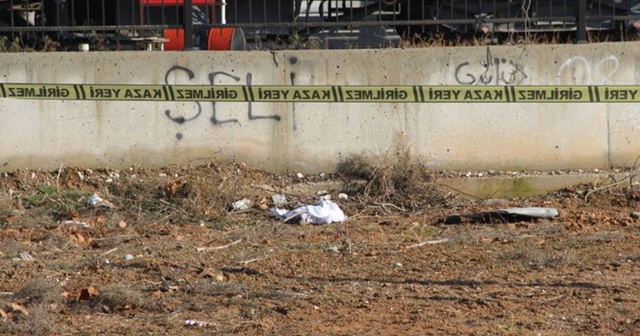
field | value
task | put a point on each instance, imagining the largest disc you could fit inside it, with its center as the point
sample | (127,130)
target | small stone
(635,215)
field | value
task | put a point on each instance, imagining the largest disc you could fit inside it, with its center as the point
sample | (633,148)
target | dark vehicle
(508,16)
(268,24)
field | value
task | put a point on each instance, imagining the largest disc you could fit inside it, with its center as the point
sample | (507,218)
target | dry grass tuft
(538,258)
(36,299)
(6,207)
(118,298)
(38,322)
(452,39)
(40,291)
(193,194)
(398,180)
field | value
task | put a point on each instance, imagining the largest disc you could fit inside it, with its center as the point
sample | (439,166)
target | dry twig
(246,262)
(116,237)
(214,248)
(385,205)
(428,242)
(586,197)
(58,179)
(108,252)
(555,298)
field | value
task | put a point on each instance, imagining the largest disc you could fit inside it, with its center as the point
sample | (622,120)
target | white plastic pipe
(223,14)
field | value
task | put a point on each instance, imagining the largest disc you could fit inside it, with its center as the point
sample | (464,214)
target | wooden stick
(58,180)
(214,248)
(110,251)
(586,197)
(428,242)
(246,262)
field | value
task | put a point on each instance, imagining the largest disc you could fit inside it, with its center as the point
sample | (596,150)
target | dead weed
(29,310)
(397,182)
(118,298)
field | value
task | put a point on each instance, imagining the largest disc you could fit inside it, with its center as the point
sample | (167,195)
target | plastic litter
(26,257)
(325,212)
(242,204)
(333,248)
(97,201)
(197,323)
(72,222)
(323,194)
(535,212)
(278,199)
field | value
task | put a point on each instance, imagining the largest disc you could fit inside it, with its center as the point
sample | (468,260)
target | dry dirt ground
(173,258)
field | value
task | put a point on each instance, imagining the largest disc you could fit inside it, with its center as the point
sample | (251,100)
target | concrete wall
(313,137)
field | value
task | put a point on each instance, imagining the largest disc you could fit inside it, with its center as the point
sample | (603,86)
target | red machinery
(225,38)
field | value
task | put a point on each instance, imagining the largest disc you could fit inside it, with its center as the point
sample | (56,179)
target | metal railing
(269,24)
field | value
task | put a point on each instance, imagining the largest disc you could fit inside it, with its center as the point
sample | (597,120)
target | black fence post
(188,24)
(581,22)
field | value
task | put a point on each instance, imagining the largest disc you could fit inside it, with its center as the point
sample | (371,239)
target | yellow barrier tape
(324,93)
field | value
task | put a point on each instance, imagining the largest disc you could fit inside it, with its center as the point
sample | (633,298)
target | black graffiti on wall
(491,71)
(181,117)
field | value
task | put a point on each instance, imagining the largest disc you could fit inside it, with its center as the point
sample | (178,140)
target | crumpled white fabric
(325,212)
